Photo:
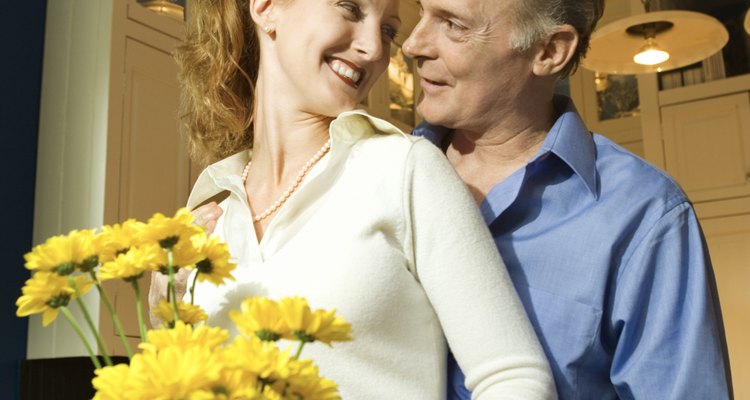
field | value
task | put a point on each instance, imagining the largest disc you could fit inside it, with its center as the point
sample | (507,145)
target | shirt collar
(348,128)
(568,139)
(572,142)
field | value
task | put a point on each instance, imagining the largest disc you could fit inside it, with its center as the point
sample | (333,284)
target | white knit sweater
(384,231)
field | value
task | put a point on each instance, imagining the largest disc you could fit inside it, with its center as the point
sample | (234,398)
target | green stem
(90,322)
(113,315)
(77,328)
(139,310)
(299,350)
(192,288)
(171,285)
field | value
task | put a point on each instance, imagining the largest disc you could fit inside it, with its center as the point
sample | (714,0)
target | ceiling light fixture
(165,7)
(629,45)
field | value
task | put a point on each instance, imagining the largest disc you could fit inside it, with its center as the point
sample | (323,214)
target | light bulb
(651,54)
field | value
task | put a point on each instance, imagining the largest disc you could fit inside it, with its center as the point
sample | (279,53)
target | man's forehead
(482,7)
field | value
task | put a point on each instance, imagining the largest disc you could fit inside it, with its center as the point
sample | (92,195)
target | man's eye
(453,25)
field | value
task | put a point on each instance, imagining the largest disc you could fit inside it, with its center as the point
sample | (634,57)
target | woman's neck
(284,138)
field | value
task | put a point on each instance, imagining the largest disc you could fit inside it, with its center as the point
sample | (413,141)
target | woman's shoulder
(358,125)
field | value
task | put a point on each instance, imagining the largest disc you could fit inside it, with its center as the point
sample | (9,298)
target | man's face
(470,75)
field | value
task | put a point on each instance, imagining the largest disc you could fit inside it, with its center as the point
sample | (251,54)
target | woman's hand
(206,216)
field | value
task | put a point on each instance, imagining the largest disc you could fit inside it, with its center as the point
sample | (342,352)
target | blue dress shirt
(608,258)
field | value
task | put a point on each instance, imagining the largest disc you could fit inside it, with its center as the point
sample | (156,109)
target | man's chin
(435,113)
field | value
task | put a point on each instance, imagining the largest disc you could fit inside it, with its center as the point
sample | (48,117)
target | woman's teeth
(345,71)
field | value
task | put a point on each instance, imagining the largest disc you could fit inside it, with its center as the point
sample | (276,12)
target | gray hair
(536,19)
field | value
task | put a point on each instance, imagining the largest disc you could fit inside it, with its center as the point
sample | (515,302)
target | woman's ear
(556,51)
(263,14)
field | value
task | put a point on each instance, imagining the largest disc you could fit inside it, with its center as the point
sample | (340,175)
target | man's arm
(666,317)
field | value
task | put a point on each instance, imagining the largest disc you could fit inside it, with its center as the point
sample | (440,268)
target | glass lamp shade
(651,54)
(692,37)
(164,7)
(747,22)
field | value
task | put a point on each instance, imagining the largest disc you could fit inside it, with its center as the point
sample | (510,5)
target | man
(604,249)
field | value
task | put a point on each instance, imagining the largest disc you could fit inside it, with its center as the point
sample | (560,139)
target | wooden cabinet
(148,169)
(729,243)
(707,146)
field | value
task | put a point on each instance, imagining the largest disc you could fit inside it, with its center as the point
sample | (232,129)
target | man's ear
(556,51)
(263,13)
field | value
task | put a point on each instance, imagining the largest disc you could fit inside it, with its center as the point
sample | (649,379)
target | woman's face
(330,52)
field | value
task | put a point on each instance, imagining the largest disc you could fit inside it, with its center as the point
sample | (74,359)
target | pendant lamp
(655,41)
(747,22)
(164,7)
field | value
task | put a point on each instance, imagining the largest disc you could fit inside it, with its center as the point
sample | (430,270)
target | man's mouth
(433,82)
(431,86)
(351,74)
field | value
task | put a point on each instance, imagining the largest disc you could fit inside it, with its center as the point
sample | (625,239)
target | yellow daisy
(308,326)
(119,238)
(46,292)
(64,253)
(261,317)
(188,252)
(131,265)
(184,336)
(269,394)
(173,372)
(170,231)
(184,254)
(187,313)
(85,249)
(261,359)
(55,254)
(215,266)
(233,383)
(111,383)
(306,383)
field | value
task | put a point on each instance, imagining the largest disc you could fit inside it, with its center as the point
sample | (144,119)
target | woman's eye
(351,8)
(389,33)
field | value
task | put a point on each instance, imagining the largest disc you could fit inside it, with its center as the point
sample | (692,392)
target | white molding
(72,144)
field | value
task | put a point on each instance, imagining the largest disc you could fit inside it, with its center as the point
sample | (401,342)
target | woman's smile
(351,74)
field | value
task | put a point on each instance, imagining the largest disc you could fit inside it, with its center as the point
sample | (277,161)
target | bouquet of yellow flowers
(184,359)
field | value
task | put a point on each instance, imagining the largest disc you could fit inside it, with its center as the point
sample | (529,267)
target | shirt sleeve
(671,338)
(458,265)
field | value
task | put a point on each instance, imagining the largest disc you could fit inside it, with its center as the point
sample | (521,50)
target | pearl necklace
(293,187)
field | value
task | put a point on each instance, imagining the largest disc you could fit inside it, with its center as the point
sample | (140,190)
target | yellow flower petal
(309,326)
(262,359)
(45,292)
(187,313)
(260,317)
(173,372)
(184,336)
(111,383)
(119,238)
(215,265)
(131,264)
(57,251)
(169,231)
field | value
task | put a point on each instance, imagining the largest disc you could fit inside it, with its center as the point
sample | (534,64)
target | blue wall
(22,33)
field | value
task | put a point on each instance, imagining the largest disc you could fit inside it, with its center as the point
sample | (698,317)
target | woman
(344,209)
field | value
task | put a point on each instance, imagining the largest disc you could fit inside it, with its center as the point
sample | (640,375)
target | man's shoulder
(623,172)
